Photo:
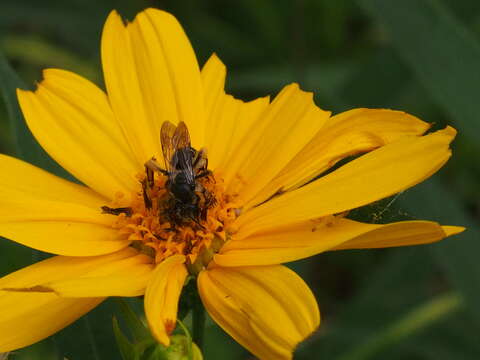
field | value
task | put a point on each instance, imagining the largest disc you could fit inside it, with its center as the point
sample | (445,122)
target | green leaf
(127,349)
(459,255)
(9,81)
(135,324)
(409,324)
(393,286)
(36,50)
(26,147)
(91,338)
(439,49)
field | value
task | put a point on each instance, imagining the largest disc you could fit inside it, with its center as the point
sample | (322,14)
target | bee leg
(172,229)
(199,188)
(198,156)
(210,200)
(117,211)
(152,165)
(146,197)
(200,160)
(203,213)
(195,219)
(195,211)
(202,174)
(150,177)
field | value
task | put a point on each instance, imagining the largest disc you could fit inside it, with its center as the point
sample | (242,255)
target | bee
(187,200)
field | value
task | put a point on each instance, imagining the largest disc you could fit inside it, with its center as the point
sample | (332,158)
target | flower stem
(198,322)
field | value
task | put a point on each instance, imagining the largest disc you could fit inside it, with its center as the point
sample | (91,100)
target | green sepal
(181,348)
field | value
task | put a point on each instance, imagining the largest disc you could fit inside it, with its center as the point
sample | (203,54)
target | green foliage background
(420,56)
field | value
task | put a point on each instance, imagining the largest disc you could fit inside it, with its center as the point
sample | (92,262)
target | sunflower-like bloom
(274,199)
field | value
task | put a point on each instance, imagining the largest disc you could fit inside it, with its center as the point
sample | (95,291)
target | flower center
(160,224)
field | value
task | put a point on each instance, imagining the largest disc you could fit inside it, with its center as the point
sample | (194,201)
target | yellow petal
(245,115)
(267,309)
(125,92)
(123,277)
(213,81)
(286,126)
(310,238)
(161,297)
(30,315)
(401,234)
(51,214)
(72,120)
(152,75)
(221,132)
(374,176)
(61,272)
(227,119)
(168,71)
(349,133)
(453,230)
(27,318)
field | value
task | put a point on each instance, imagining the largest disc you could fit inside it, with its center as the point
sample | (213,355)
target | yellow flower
(263,155)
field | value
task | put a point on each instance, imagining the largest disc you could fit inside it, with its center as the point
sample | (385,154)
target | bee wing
(184,157)
(181,137)
(177,152)
(167,133)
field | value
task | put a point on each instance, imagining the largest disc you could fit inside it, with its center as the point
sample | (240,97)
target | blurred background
(420,56)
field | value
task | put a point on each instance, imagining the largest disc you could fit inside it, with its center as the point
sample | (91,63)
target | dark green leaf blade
(458,255)
(417,319)
(26,147)
(439,49)
(137,328)
(127,349)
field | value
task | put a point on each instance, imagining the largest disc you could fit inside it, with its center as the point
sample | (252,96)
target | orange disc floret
(151,232)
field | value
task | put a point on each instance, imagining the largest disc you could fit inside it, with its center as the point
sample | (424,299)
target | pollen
(146,223)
